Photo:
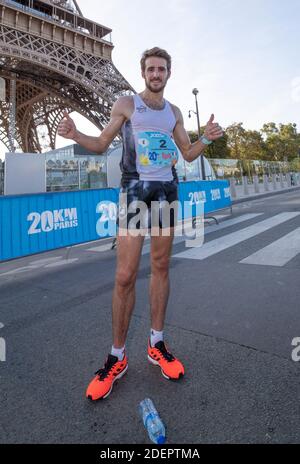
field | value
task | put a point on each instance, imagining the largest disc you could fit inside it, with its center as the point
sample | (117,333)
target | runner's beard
(155,89)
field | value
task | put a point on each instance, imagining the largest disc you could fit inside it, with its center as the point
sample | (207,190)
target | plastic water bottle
(152,422)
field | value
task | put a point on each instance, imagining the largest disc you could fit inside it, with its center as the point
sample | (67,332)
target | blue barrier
(215,194)
(32,224)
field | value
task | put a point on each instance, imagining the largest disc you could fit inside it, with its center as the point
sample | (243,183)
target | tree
(283,142)
(269,129)
(235,133)
(252,145)
(272,143)
(219,148)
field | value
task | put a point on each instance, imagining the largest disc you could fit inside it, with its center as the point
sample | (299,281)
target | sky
(242,56)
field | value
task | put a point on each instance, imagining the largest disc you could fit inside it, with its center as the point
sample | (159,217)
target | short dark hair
(156,51)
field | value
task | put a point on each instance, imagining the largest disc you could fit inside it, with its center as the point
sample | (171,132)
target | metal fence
(237,169)
(228,168)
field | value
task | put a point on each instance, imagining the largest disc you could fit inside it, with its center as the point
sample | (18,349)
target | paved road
(233,312)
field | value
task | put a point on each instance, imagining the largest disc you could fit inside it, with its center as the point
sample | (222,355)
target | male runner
(147,175)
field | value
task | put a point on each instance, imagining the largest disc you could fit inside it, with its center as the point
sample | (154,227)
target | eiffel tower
(52,58)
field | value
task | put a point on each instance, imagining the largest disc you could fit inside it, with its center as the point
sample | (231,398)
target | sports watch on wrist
(204,140)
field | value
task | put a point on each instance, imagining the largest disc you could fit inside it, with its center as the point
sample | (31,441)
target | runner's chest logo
(141,109)
(156,149)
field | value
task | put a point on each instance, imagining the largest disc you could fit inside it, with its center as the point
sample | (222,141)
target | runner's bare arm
(119,113)
(191,151)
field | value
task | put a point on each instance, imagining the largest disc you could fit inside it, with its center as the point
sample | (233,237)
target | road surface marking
(215,246)
(278,253)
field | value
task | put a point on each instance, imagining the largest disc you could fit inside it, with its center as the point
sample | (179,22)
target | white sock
(119,352)
(156,336)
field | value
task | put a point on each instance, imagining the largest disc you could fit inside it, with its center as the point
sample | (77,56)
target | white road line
(100,248)
(19,270)
(41,262)
(231,222)
(278,253)
(92,242)
(229,240)
(63,262)
(188,229)
(208,229)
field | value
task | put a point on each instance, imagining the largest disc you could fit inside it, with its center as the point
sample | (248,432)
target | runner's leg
(128,258)
(159,354)
(161,247)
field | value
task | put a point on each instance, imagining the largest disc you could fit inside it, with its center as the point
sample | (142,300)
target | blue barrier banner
(32,224)
(214,194)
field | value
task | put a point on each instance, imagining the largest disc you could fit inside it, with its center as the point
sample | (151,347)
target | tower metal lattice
(52,58)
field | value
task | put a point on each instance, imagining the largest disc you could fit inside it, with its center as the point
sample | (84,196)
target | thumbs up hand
(66,127)
(213,131)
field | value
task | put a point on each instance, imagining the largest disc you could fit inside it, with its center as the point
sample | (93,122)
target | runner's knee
(126,277)
(160,264)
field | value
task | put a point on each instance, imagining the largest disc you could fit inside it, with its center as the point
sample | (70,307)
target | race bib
(156,149)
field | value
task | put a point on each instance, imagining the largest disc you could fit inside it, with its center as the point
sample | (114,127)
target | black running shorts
(156,207)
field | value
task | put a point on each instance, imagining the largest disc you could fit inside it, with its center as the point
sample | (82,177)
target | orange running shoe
(171,368)
(101,386)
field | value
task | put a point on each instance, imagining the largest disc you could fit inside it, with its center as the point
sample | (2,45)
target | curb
(264,195)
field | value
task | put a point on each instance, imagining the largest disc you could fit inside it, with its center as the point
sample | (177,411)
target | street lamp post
(195,92)
(198,164)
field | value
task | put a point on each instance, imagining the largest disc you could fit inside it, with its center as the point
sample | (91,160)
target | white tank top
(155,149)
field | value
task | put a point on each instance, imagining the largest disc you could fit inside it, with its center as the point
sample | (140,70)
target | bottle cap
(161,440)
